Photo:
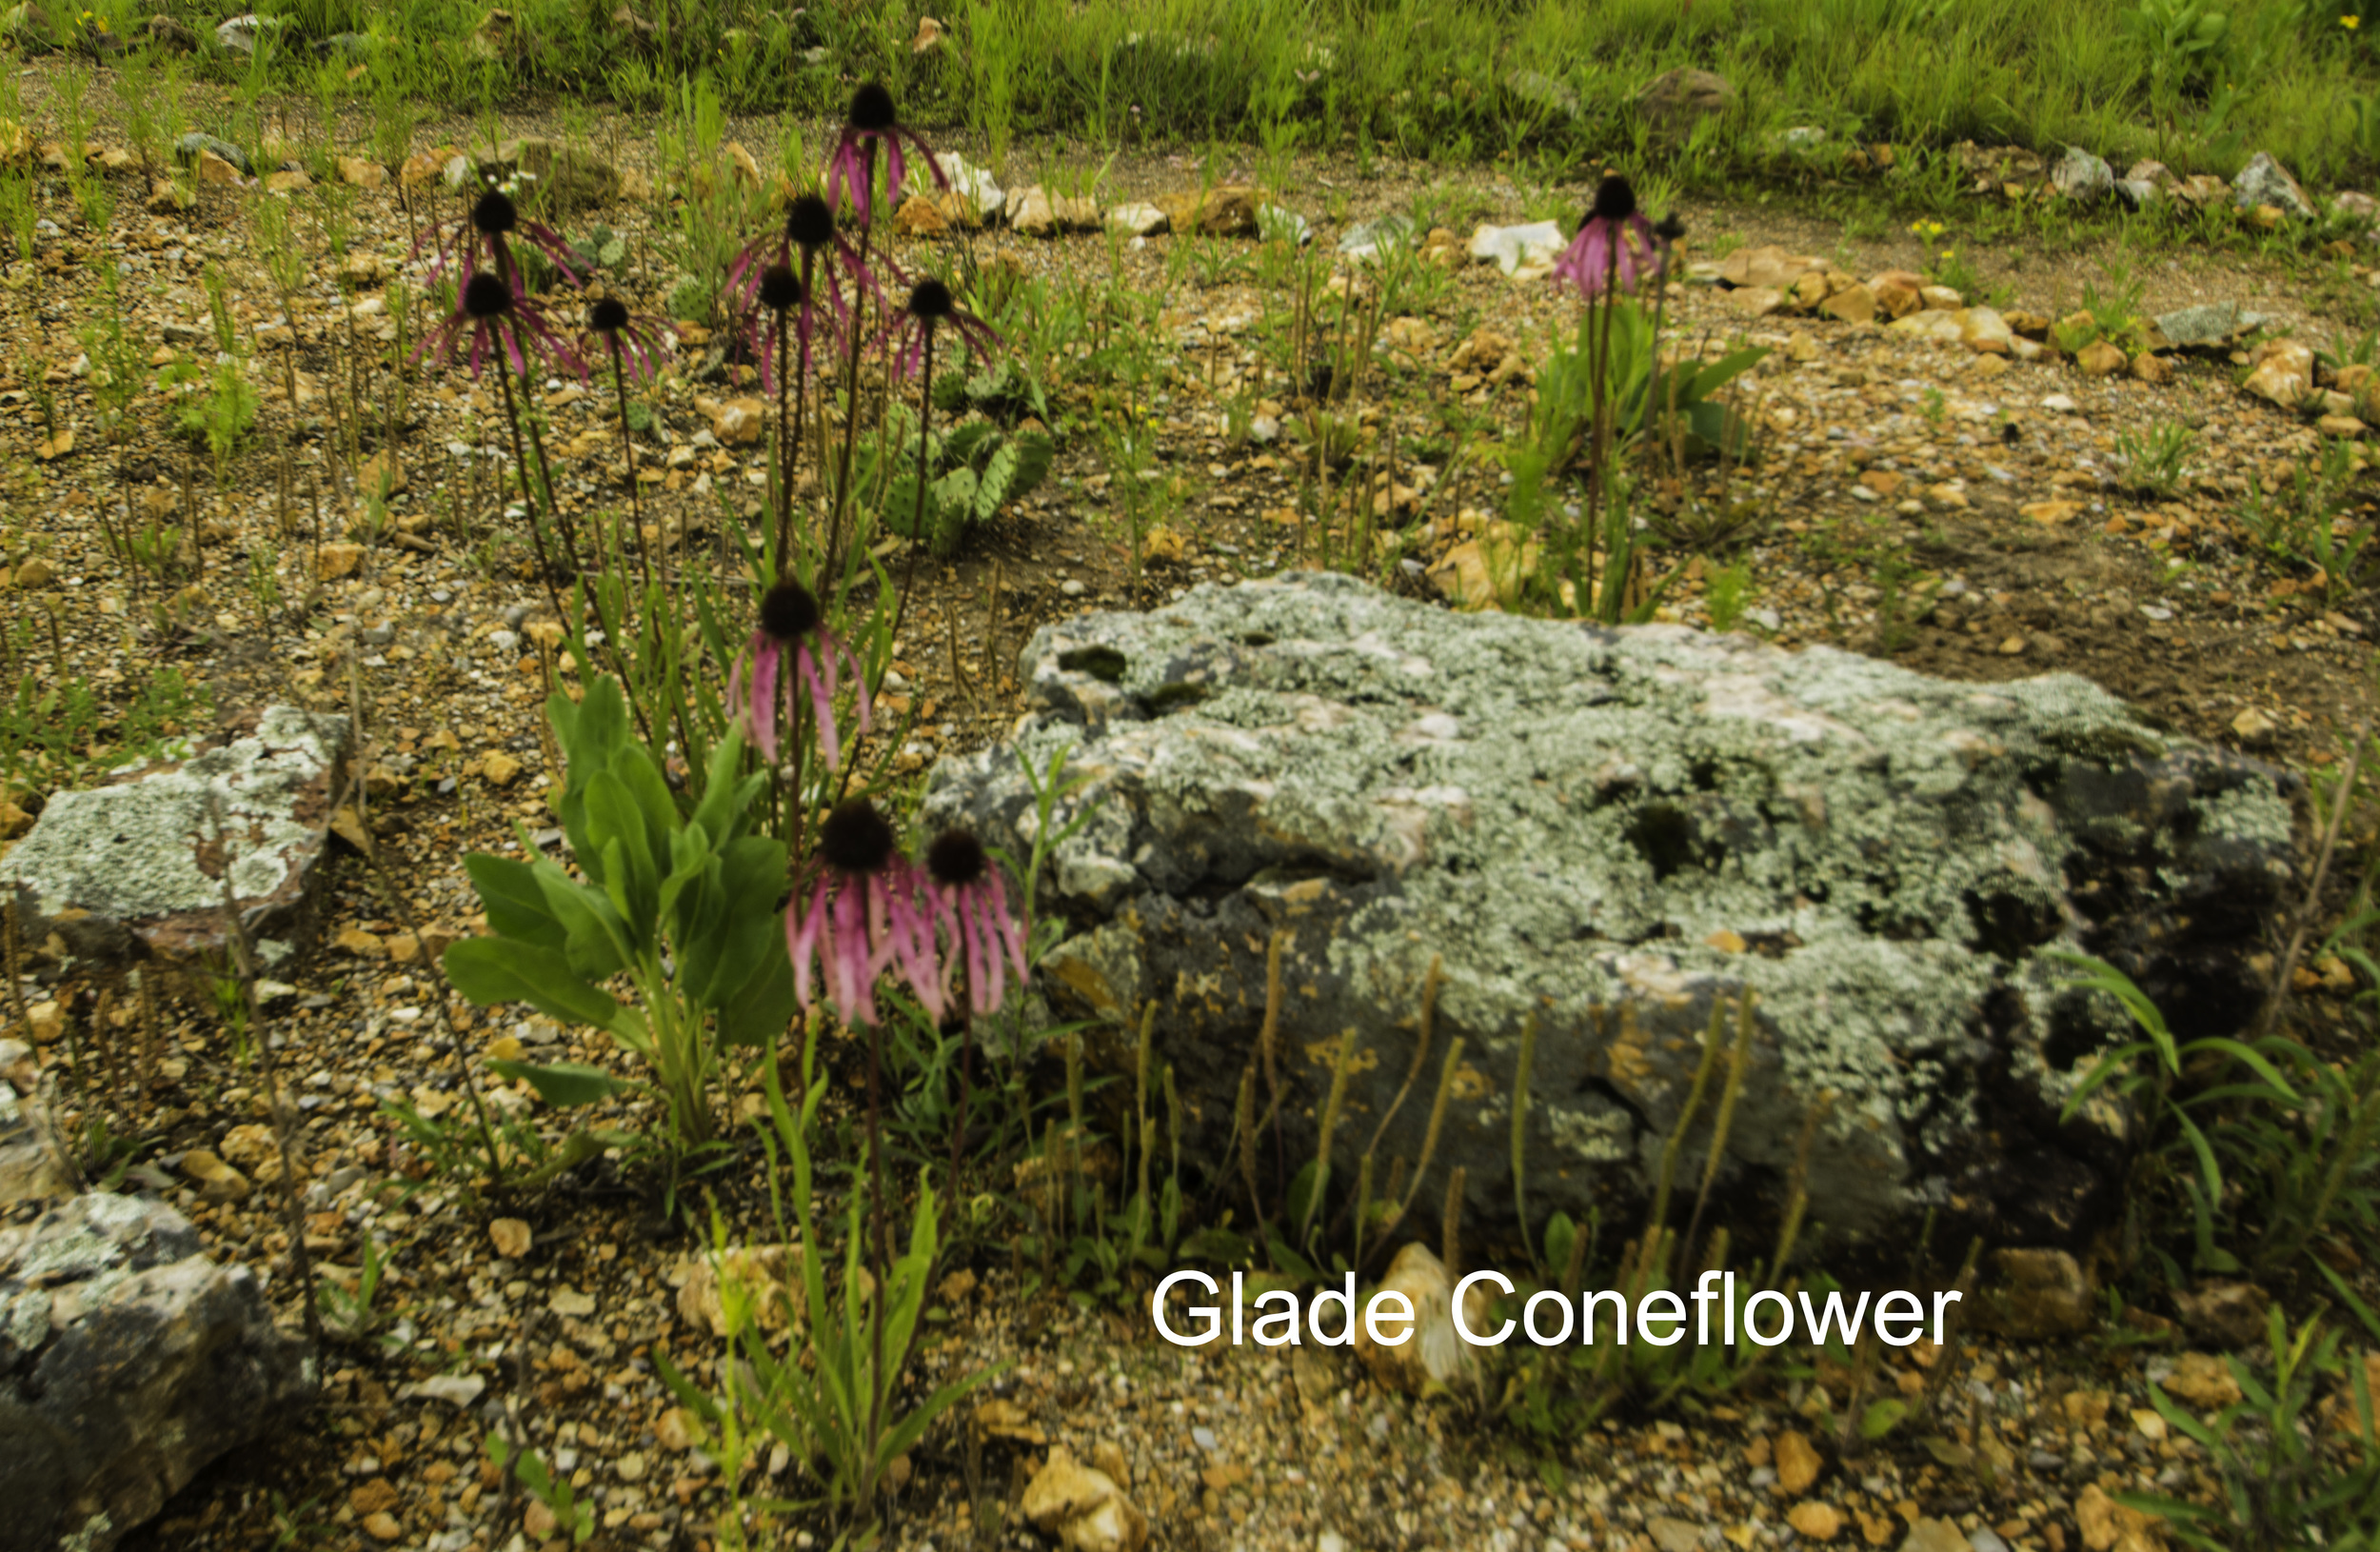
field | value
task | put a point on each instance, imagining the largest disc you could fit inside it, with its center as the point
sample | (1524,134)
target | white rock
(1137,219)
(2283,372)
(975,183)
(1082,1507)
(1512,247)
(1432,1352)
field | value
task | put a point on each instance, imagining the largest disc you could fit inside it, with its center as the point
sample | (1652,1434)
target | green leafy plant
(2183,40)
(1726,595)
(215,406)
(835,1411)
(356,1313)
(551,1488)
(683,905)
(2154,462)
(2220,1126)
(2283,1483)
(2309,520)
(974,470)
(601,248)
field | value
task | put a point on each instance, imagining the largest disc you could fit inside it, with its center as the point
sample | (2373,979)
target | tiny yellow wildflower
(2351,23)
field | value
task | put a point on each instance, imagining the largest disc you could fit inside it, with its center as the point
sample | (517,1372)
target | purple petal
(802,929)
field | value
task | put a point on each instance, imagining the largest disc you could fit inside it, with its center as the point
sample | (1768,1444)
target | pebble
(1674,1535)
(1073,587)
(1204,1439)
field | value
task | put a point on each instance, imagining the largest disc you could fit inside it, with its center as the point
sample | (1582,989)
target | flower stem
(917,520)
(627,450)
(537,531)
(851,390)
(1600,429)
(801,374)
(961,1023)
(784,452)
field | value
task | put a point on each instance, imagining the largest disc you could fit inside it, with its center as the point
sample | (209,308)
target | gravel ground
(1995,478)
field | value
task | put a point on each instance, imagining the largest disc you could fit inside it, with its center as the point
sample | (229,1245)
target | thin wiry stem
(851,397)
(917,520)
(627,451)
(784,450)
(529,498)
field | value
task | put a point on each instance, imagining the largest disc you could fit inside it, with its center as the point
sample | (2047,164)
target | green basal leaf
(494,970)
(515,905)
(565,1083)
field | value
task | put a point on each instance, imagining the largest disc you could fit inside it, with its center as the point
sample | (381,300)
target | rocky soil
(1956,441)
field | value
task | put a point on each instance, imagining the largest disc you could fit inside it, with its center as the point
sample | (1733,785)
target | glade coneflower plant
(793,644)
(776,279)
(1617,250)
(909,350)
(873,122)
(982,944)
(485,234)
(499,323)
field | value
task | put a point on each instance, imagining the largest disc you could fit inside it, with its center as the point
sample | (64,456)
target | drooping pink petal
(760,710)
(802,933)
(822,707)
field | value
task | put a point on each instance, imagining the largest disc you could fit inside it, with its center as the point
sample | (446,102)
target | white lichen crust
(1581,822)
(156,846)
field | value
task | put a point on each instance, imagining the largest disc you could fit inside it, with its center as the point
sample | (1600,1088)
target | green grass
(2193,82)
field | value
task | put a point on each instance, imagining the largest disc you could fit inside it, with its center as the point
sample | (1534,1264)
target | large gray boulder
(136,868)
(1612,830)
(128,1361)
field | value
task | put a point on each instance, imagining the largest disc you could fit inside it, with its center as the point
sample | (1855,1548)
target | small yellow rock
(339,561)
(1819,1521)
(511,1238)
(1797,1463)
(382,1526)
(500,769)
(363,944)
(1162,546)
(218,1182)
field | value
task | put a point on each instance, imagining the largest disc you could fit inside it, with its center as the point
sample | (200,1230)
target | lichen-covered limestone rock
(128,1361)
(136,868)
(1614,830)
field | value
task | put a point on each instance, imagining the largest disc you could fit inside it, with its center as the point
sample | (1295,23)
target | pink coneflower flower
(865,916)
(497,318)
(1613,245)
(872,122)
(777,294)
(929,306)
(791,623)
(640,340)
(970,905)
(809,228)
(485,233)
